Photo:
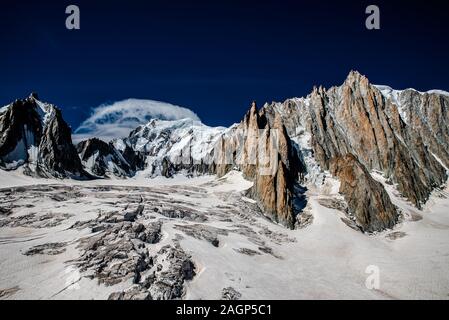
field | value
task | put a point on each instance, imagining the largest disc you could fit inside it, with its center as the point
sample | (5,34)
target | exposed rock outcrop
(355,118)
(367,199)
(103,159)
(403,134)
(425,114)
(274,180)
(57,156)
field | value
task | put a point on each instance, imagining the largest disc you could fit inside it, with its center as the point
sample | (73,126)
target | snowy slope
(254,257)
(182,141)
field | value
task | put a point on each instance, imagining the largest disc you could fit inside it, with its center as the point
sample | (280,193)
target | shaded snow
(17,156)
(45,111)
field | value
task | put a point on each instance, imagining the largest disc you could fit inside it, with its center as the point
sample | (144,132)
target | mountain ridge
(403,134)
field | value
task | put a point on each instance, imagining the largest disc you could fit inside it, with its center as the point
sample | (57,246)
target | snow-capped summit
(184,143)
(159,147)
(116,120)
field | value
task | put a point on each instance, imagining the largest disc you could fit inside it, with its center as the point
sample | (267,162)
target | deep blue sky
(214,57)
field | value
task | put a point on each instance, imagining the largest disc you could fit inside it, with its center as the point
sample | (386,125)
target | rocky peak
(102,159)
(360,119)
(20,129)
(251,119)
(354,77)
(35,135)
(34,96)
(88,148)
(269,161)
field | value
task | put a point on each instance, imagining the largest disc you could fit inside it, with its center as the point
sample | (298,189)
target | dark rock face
(131,214)
(47,248)
(35,135)
(17,121)
(57,153)
(134,159)
(367,199)
(105,158)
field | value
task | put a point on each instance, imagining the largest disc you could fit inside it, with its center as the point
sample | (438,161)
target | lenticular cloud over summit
(118,119)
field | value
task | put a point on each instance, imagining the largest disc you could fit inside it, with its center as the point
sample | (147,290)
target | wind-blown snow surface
(257,258)
(118,119)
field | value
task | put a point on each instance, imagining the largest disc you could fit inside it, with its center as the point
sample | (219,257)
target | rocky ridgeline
(347,131)
(404,135)
(357,119)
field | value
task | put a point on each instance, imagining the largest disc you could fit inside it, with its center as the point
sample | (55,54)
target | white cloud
(118,119)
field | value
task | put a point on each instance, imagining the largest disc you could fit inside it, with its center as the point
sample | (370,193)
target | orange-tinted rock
(367,199)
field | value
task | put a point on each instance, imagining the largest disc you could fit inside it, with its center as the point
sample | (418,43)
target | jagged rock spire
(34,95)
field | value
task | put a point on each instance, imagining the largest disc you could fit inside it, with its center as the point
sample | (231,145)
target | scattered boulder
(53,248)
(230,293)
(131,214)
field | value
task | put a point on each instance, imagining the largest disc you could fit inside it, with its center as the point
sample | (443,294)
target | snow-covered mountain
(34,135)
(346,132)
(116,120)
(158,148)
(169,147)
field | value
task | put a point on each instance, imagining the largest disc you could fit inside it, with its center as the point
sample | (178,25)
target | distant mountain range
(348,132)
